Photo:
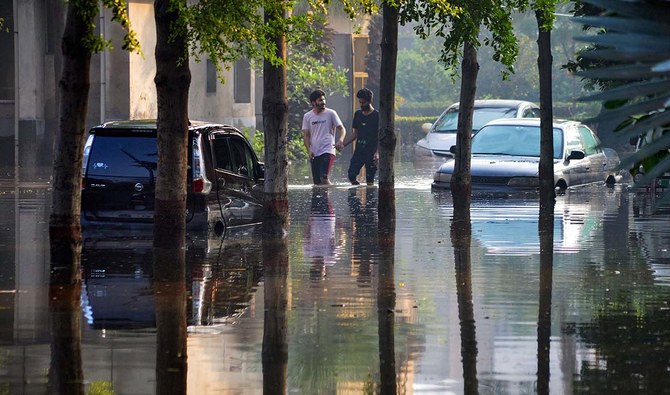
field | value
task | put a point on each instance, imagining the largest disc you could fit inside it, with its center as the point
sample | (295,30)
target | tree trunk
(461,182)
(64,221)
(544,61)
(386,304)
(173,79)
(275,127)
(387,137)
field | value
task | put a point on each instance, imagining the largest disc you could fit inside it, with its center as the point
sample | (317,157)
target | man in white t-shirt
(323,133)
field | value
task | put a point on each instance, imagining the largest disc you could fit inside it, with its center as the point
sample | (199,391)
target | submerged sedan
(506,156)
(441,135)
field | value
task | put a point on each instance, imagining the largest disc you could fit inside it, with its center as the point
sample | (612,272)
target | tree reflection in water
(275,321)
(386,299)
(65,371)
(546,233)
(461,238)
(170,299)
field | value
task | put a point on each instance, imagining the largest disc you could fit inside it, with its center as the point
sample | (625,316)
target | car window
(242,157)
(517,140)
(120,155)
(448,122)
(573,141)
(221,153)
(531,113)
(591,143)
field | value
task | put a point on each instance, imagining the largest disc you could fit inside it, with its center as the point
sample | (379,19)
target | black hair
(316,94)
(366,94)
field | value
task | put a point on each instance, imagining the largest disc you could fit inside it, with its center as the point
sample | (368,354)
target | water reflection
(66,369)
(546,234)
(461,235)
(275,317)
(414,312)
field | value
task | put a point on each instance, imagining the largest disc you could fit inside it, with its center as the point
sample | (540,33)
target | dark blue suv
(225,178)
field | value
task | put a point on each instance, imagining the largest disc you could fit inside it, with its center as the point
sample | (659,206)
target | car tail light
(201,186)
(83,184)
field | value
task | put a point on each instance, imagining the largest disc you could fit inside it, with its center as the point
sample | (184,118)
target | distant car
(224,178)
(506,157)
(441,135)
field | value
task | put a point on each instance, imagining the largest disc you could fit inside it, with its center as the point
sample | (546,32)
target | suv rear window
(123,155)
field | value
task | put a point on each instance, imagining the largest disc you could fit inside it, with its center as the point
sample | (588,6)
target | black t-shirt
(367,129)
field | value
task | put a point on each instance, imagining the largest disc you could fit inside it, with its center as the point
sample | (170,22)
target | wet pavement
(337,308)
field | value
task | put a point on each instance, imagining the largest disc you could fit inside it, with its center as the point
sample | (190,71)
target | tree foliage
(634,74)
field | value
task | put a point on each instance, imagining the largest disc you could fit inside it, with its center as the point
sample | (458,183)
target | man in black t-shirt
(364,130)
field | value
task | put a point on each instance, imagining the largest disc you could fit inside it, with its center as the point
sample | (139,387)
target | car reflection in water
(509,225)
(221,279)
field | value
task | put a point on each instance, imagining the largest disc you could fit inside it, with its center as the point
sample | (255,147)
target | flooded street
(340,309)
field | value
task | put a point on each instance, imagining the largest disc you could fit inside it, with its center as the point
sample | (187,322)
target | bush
(409,130)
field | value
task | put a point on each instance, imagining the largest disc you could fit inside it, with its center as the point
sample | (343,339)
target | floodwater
(339,309)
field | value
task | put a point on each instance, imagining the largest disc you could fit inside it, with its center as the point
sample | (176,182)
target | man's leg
(316,177)
(370,170)
(327,164)
(354,168)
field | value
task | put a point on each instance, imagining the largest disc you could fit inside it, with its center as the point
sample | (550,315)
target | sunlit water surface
(348,295)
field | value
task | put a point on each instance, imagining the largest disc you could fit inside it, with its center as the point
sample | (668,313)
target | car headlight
(442,177)
(524,182)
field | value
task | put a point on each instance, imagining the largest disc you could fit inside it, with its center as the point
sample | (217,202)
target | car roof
(558,123)
(507,103)
(150,124)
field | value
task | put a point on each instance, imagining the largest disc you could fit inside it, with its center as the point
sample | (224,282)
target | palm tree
(632,63)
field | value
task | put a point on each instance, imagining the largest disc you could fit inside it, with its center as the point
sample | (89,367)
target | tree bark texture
(387,136)
(544,60)
(173,79)
(64,221)
(275,128)
(461,181)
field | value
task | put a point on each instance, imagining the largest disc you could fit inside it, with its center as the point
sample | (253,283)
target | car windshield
(448,122)
(123,156)
(514,140)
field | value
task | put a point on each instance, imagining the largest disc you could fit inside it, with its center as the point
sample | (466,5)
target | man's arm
(354,136)
(339,137)
(305,139)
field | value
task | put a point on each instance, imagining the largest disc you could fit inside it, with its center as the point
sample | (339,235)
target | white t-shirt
(321,128)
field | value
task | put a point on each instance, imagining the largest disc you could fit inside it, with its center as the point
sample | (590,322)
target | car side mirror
(452,149)
(260,170)
(576,154)
(426,127)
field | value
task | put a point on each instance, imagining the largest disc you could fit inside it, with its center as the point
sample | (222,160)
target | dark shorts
(321,166)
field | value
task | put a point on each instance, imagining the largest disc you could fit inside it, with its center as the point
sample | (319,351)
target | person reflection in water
(362,208)
(321,245)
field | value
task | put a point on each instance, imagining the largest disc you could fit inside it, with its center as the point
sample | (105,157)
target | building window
(7,51)
(211,77)
(242,81)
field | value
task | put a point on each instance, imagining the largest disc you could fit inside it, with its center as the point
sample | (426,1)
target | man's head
(364,97)
(318,100)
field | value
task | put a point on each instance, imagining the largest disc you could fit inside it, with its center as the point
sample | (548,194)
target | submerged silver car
(441,135)
(506,157)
